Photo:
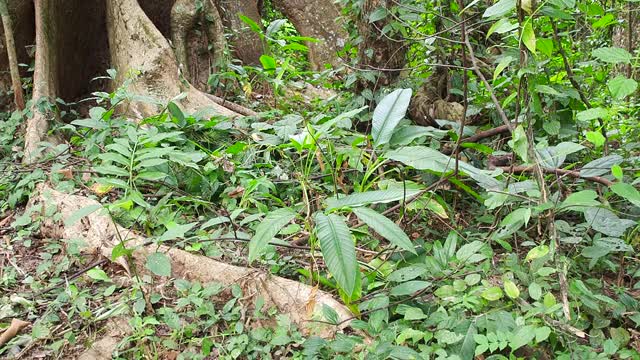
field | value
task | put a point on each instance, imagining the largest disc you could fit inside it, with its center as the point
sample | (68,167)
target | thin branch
(556,171)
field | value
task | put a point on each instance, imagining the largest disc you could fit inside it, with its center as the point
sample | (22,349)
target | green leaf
(511,289)
(378,14)
(98,274)
(425,158)
(252,24)
(627,192)
(80,213)
(468,253)
(159,264)
(607,222)
(175,231)
(596,138)
(579,200)
(386,116)
(617,172)
(267,229)
(407,273)
(338,250)
(500,8)
(501,26)
(529,37)
(409,287)
(501,66)
(176,112)
(268,62)
(385,227)
(519,143)
(542,333)
(592,114)
(537,252)
(535,291)
(372,197)
(612,55)
(522,337)
(600,166)
(275,26)
(621,87)
(492,294)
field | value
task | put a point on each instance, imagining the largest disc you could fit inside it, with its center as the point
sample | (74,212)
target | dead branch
(560,172)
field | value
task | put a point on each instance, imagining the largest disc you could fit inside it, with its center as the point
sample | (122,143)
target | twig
(488,86)
(557,171)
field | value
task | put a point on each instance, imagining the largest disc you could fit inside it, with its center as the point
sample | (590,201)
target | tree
(76,41)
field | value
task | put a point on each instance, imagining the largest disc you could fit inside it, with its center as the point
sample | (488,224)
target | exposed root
(136,44)
(301,302)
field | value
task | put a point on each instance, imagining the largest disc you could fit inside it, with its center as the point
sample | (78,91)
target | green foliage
(440,256)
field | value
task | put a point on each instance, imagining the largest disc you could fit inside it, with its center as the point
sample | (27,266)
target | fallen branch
(232,106)
(562,172)
(302,303)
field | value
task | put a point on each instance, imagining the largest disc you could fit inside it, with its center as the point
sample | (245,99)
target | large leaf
(613,55)
(388,114)
(628,192)
(425,158)
(621,87)
(372,197)
(500,8)
(159,264)
(385,227)
(268,228)
(606,222)
(554,156)
(600,166)
(338,250)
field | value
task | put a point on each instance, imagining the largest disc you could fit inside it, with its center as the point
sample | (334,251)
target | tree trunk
(16,82)
(247,45)
(318,19)
(379,51)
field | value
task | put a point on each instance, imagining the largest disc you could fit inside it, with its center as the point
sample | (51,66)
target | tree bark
(379,51)
(318,19)
(136,44)
(16,82)
(44,80)
(247,44)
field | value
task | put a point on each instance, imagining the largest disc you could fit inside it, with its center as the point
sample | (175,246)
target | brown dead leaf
(67,173)
(311,303)
(236,192)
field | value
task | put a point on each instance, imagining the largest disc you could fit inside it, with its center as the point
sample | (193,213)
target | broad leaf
(159,264)
(529,37)
(627,192)
(621,87)
(613,55)
(268,228)
(338,250)
(606,222)
(500,8)
(592,114)
(372,197)
(600,166)
(385,227)
(425,158)
(388,114)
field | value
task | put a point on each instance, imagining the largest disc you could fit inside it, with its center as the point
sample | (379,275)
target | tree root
(302,303)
